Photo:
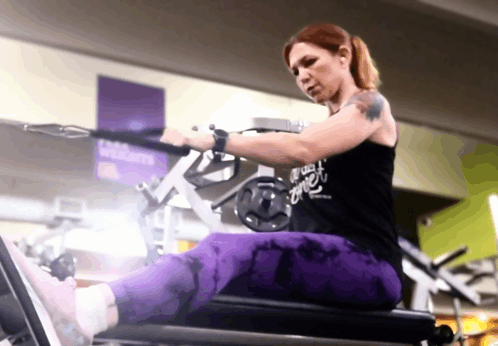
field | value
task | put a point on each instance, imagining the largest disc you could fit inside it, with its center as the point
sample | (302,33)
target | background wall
(468,222)
(43,84)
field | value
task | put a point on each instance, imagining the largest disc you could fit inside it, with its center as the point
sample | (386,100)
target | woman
(342,246)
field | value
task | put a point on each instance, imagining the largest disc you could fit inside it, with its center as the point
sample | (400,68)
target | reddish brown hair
(331,38)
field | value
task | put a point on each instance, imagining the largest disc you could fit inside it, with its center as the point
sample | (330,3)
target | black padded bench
(229,320)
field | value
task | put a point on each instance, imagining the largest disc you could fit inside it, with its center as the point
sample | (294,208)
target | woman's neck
(343,95)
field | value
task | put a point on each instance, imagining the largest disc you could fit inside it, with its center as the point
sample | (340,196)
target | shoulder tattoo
(369,102)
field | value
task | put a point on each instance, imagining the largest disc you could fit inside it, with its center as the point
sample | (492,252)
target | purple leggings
(309,267)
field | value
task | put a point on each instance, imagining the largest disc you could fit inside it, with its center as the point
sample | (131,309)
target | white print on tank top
(308,179)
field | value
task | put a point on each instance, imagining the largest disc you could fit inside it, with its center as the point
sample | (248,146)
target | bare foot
(58,299)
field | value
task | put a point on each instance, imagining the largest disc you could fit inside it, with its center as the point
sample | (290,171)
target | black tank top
(350,195)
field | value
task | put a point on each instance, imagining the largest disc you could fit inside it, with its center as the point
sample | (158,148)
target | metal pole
(458,316)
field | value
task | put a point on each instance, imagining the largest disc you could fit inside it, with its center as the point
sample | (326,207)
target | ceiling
(478,14)
(438,62)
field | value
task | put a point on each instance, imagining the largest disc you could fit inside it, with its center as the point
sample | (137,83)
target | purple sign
(133,107)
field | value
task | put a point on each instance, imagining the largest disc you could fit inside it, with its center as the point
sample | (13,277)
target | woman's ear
(344,54)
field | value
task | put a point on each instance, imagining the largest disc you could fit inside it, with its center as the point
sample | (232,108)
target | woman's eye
(308,63)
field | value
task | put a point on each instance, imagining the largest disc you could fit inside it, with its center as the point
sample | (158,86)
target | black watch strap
(220,140)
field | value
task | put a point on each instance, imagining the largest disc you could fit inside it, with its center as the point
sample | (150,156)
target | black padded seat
(265,316)
(238,314)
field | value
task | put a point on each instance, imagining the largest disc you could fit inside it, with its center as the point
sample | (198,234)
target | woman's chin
(315,98)
(318,99)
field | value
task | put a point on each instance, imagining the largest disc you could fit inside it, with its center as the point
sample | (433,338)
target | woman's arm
(360,118)
(279,150)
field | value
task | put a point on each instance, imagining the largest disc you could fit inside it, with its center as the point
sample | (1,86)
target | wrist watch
(220,140)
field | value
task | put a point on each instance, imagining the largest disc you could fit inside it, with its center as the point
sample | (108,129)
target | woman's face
(319,73)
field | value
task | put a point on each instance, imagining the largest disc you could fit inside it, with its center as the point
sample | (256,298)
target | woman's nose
(304,78)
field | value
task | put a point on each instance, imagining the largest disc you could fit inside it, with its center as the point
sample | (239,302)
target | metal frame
(431,277)
(175,180)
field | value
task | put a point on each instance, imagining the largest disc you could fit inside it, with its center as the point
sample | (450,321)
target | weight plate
(263,205)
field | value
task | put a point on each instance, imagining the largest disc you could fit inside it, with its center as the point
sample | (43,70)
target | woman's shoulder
(388,133)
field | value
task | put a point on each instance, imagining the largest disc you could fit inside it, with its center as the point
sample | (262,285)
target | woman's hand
(193,139)
(174,137)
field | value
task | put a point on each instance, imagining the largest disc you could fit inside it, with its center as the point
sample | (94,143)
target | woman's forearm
(271,149)
(277,150)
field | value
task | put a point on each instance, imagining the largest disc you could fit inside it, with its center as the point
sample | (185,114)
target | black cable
(138,138)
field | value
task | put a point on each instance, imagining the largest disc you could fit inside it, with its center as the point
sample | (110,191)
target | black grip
(151,132)
(137,138)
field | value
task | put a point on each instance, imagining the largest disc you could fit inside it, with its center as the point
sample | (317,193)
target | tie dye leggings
(292,266)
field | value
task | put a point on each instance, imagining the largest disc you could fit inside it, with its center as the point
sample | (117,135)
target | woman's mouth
(313,91)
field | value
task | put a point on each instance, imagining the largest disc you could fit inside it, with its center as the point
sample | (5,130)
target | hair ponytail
(363,69)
